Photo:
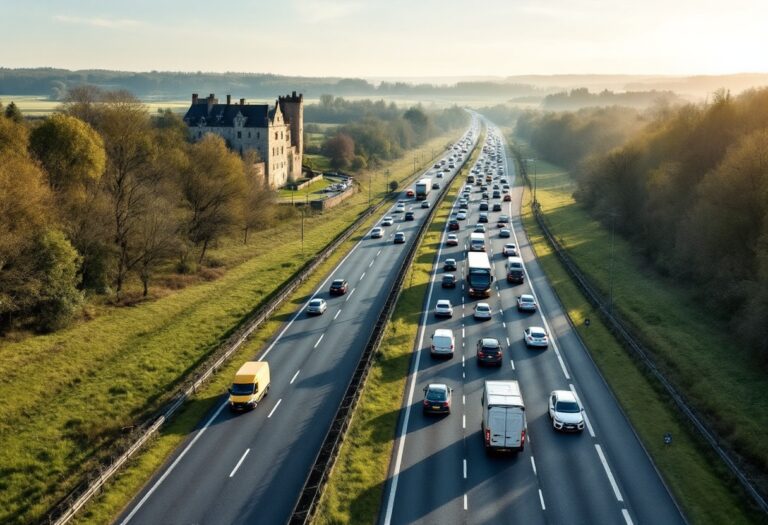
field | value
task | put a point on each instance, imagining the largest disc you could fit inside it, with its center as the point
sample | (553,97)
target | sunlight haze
(395,38)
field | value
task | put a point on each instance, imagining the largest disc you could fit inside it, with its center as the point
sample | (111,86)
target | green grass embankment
(691,346)
(67,395)
(354,490)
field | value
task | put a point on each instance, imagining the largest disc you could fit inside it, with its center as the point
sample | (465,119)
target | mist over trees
(376,131)
(690,190)
(582,98)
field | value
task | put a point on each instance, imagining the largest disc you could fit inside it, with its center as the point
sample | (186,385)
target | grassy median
(686,340)
(354,490)
(68,396)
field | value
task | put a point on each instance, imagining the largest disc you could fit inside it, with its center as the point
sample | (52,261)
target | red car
(339,287)
(409,193)
(507,197)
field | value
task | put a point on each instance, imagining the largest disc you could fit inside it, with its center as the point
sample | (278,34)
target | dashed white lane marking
(350,294)
(508,341)
(294,376)
(541,499)
(465,502)
(627,519)
(378,253)
(462,360)
(533,466)
(586,419)
(337,314)
(274,408)
(318,341)
(463,399)
(462,332)
(512,364)
(464,423)
(465,469)
(361,277)
(609,473)
(463,375)
(173,465)
(370,264)
(239,462)
(504,324)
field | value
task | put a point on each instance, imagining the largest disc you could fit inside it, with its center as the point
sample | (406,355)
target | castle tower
(292,107)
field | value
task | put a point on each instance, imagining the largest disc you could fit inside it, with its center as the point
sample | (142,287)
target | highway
(250,468)
(440,473)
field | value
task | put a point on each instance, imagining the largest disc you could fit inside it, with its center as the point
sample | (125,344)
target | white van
(503,422)
(442,343)
(477,242)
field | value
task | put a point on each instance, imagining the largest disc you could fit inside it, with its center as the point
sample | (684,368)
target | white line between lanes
(609,473)
(463,399)
(378,253)
(586,419)
(361,277)
(274,407)
(512,364)
(318,341)
(541,498)
(463,421)
(465,469)
(371,263)
(337,314)
(294,376)
(173,465)
(350,295)
(465,502)
(533,466)
(239,462)
(627,519)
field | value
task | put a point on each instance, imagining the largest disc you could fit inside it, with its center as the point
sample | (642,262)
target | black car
(497,206)
(489,352)
(483,206)
(339,287)
(409,216)
(496,194)
(399,238)
(435,186)
(449,281)
(453,224)
(485,195)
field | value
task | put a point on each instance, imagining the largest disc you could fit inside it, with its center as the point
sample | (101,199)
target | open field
(353,493)
(688,343)
(108,373)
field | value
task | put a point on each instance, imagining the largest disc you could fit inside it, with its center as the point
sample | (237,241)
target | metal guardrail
(624,333)
(326,458)
(68,507)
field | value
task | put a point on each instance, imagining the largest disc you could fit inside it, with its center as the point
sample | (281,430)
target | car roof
(490,341)
(527,296)
(484,305)
(444,332)
(338,281)
(317,300)
(533,329)
(564,395)
(443,301)
(437,386)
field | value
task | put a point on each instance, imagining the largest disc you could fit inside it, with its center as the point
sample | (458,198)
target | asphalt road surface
(440,472)
(250,468)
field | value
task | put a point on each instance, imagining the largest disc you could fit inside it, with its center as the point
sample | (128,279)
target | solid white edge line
(173,465)
(541,499)
(294,376)
(627,519)
(411,389)
(239,462)
(533,290)
(609,473)
(275,407)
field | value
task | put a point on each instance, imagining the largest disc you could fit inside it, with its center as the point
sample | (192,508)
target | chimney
(194,98)
(242,102)
(294,94)
(229,99)
(210,102)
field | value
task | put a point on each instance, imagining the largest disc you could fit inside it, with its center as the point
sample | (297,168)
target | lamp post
(370,176)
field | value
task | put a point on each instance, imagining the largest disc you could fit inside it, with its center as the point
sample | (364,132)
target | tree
(259,205)
(155,238)
(71,152)
(340,149)
(213,187)
(55,264)
(13,113)
(419,121)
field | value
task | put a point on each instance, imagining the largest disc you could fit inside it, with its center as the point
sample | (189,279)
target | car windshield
(315,302)
(483,308)
(437,395)
(337,283)
(537,334)
(242,389)
(569,407)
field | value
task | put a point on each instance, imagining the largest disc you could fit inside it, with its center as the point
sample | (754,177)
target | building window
(239,134)
(249,134)
(281,135)
(258,134)
(275,135)
(282,150)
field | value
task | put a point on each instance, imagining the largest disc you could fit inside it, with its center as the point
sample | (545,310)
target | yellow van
(250,385)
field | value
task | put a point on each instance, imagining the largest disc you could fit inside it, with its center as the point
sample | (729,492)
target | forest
(688,185)
(103,194)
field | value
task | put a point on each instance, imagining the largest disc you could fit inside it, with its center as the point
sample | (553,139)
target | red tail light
(451,347)
(426,402)
(481,354)
(487,436)
(522,437)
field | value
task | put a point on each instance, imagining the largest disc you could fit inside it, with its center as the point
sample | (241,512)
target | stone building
(276,133)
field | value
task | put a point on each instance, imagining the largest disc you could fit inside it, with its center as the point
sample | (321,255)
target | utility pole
(370,176)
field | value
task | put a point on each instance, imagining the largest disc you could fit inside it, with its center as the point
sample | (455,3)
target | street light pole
(370,176)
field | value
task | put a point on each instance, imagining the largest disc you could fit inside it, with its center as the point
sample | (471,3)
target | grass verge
(66,396)
(354,490)
(696,477)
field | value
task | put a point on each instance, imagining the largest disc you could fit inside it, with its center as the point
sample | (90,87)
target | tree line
(690,190)
(383,132)
(101,192)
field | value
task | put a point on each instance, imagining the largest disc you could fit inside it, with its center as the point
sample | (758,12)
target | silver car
(317,306)
(535,336)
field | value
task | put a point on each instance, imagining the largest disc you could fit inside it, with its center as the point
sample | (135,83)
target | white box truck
(503,422)
(422,188)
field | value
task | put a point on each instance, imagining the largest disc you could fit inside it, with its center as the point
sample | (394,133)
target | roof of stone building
(223,115)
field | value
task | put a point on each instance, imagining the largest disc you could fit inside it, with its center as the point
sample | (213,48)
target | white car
(461,215)
(536,336)
(387,221)
(452,240)
(526,303)
(425,204)
(443,308)
(482,311)
(317,306)
(565,411)
(377,233)
(510,250)
(400,208)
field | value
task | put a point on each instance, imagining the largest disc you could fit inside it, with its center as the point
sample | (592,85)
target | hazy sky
(389,38)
